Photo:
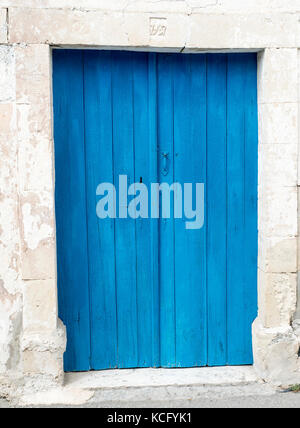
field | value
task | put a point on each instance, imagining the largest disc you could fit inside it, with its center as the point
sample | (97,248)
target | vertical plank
(70,202)
(99,169)
(190,245)
(216,215)
(142,168)
(166,226)
(236,273)
(125,243)
(251,184)
(154,230)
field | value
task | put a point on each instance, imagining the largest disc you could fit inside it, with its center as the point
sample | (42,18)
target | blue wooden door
(148,292)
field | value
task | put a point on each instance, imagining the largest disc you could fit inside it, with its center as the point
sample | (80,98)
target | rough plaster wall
(10,282)
(31,342)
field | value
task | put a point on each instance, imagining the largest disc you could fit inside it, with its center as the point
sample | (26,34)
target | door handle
(165,170)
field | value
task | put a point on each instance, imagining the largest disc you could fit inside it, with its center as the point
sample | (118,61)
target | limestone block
(248,31)
(33,112)
(33,90)
(40,305)
(277,164)
(114,29)
(38,217)
(40,262)
(32,73)
(11,325)
(260,5)
(34,119)
(277,255)
(34,129)
(3,26)
(9,243)
(8,149)
(278,123)
(7,74)
(38,236)
(76,27)
(8,140)
(10,283)
(53,341)
(277,207)
(278,76)
(277,295)
(7,121)
(42,353)
(276,355)
(36,164)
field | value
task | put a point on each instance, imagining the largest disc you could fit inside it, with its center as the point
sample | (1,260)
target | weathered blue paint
(149,293)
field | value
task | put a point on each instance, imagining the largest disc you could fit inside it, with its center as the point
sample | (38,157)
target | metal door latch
(165,170)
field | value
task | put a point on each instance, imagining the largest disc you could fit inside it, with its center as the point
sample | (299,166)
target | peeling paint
(7,68)
(35,230)
(4,295)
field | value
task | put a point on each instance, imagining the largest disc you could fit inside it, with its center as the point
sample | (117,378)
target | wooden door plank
(143,225)
(216,214)
(101,236)
(154,237)
(166,226)
(123,154)
(70,202)
(236,272)
(251,185)
(190,245)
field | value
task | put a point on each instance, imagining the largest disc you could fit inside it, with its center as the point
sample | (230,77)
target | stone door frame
(35,32)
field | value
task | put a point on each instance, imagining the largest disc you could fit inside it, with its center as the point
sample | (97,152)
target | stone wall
(32,339)
(10,279)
